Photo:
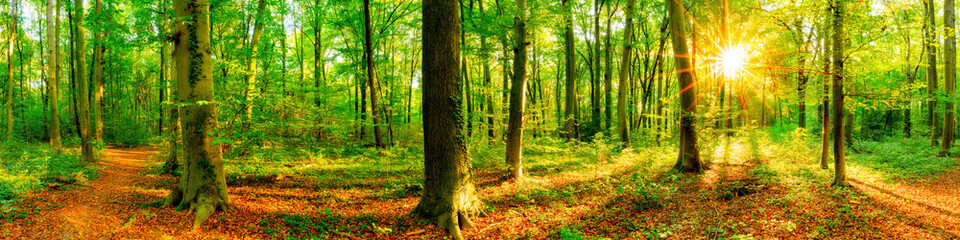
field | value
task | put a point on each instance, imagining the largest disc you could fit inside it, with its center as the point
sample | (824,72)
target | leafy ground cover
(758,186)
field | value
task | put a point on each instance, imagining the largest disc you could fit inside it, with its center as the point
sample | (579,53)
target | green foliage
(569,233)
(903,158)
(644,194)
(25,167)
(319,225)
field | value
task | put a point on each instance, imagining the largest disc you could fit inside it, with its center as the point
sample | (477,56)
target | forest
(479,119)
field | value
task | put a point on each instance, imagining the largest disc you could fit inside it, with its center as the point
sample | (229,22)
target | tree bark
(12,34)
(517,93)
(931,43)
(251,78)
(689,156)
(487,83)
(98,52)
(83,90)
(570,113)
(839,161)
(623,87)
(371,78)
(202,187)
(53,82)
(950,76)
(595,94)
(607,74)
(448,193)
(825,99)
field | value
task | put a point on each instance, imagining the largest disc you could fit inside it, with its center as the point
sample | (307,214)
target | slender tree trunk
(283,57)
(487,83)
(83,92)
(251,78)
(368,53)
(517,93)
(689,156)
(595,94)
(53,82)
(12,33)
(931,43)
(319,62)
(950,76)
(202,188)
(840,165)
(825,99)
(623,87)
(607,75)
(448,192)
(505,65)
(571,115)
(98,52)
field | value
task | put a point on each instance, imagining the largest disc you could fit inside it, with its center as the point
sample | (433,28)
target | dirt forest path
(932,204)
(90,210)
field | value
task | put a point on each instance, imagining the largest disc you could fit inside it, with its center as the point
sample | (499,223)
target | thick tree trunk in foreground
(517,94)
(840,165)
(689,156)
(202,187)
(622,88)
(368,53)
(448,190)
(83,90)
(949,75)
(53,82)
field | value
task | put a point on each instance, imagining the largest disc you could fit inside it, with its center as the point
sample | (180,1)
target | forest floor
(570,192)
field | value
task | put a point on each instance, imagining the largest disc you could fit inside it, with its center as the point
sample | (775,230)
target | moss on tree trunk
(448,195)
(202,188)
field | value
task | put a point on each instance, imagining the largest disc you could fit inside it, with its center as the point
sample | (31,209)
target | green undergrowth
(26,167)
(902,158)
(326,224)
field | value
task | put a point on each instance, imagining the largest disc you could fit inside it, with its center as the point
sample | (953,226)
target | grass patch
(902,158)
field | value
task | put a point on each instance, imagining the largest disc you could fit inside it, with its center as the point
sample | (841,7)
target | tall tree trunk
(825,99)
(83,90)
(371,78)
(570,113)
(801,84)
(689,156)
(202,187)
(607,74)
(595,94)
(839,161)
(487,82)
(319,62)
(931,43)
(251,78)
(950,76)
(517,93)
(283,56)
(623,87)
(505,66)
(12,34)
(53,82)
(99,50)
(448,192)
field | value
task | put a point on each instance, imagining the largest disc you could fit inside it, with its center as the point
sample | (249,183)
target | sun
(732,61)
